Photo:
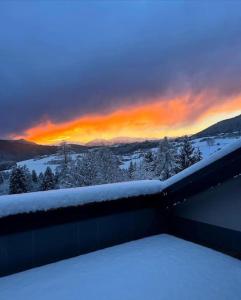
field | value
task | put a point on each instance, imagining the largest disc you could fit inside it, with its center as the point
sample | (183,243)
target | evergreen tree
(198,155)
(1,178)
(132,171)
(147,168)
(48,182)
(34,177)
(165,160)
(64,152)
(28,178)
(18,181)
(69,175)
(187,156)
(107,167)
(40,180)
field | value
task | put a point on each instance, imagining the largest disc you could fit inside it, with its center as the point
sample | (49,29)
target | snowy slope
(160,267)
(40,164)
(204,162)
(201,143)
(218,144)
(42,201)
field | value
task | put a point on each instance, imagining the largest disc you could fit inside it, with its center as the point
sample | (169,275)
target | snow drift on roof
(43,201)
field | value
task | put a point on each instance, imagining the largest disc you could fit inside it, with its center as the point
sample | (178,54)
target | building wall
(64,236)
(212,218)
(219,205)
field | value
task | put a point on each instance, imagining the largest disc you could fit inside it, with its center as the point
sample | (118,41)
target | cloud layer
(64,61)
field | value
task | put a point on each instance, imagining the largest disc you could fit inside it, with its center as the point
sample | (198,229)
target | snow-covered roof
(43,201)
(158,267)
(203,163)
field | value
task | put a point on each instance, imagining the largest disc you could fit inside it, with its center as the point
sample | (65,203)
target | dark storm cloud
(61,60)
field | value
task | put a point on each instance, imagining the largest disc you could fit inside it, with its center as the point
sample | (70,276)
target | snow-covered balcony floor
(159,267)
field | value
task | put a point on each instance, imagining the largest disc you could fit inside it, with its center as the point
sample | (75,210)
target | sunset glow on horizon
(171,117)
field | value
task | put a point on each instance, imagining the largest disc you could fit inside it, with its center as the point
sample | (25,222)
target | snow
(43,201)
(52,161)
(218,144)
(39,164)
(203,163)
(201,143)
(159,267)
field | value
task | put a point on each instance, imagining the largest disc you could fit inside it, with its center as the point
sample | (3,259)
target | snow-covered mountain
(115,141)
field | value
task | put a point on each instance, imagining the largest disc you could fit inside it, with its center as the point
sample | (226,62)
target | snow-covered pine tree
(34,177)
(48,182)
(1,178)
(87,168)
(18,182)
(34,181)
(132,171)
(198,154)
(4,183)
(165,160)
(28,178)
(64,152)
(108,167)
(147,167)
(69,175)
(187,155)
(40,177)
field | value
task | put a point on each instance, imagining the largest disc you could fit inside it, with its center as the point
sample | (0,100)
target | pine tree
(69,175)
(187,155)
(64,151)
(18,181)
(48,182)
(165,160)
(147,168)
(34,177)
(40,180)
(132,171)
(28,178)
(107,167)
(198,154)
(1,178)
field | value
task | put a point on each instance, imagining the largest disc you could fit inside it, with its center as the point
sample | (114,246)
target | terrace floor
(159,267)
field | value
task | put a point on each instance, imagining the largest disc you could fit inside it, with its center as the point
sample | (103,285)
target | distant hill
(16,150)
(226,126)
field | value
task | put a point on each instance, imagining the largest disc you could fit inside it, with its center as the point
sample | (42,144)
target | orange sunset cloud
(156,119)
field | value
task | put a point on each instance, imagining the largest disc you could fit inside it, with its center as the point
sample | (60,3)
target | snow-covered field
(40,164)
(218,144)
(159,267)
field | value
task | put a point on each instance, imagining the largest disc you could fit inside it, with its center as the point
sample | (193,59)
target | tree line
(102,166)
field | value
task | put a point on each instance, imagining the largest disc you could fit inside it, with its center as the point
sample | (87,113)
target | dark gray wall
(212,218)
(219,205)
(22,250)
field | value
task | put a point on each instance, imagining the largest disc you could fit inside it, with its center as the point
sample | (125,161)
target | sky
(84,70)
